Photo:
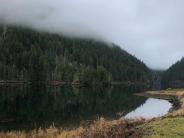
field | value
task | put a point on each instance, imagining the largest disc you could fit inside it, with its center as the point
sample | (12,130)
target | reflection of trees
(57,104)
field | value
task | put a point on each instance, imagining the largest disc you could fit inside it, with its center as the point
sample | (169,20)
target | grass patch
(164,128)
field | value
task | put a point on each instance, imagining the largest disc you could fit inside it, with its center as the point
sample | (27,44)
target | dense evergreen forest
(29,55)
(174,76)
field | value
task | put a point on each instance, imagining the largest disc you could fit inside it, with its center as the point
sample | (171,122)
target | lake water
(30,106)
(150,109)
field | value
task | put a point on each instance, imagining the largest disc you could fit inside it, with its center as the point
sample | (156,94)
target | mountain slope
(174,76)
(38,56)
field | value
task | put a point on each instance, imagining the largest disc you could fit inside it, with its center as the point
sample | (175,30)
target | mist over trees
(29,55)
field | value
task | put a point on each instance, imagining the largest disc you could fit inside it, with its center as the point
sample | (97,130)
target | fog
(151,30)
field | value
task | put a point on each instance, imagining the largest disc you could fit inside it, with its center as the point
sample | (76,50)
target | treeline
(174,76)
(28,55)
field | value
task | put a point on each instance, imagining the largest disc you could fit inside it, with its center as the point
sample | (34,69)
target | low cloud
(151,30)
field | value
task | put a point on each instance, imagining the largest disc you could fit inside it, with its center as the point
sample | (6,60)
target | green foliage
(38,56)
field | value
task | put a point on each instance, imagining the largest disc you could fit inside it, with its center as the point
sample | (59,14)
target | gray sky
(152,30)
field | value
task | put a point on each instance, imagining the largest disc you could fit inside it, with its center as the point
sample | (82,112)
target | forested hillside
(157,79)
(28,55)
(174,76)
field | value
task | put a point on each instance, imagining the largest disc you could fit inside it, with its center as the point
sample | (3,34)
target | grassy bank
(164,128)
(98,129)
(171,125)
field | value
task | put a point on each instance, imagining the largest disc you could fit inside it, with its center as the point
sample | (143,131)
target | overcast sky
(152,30)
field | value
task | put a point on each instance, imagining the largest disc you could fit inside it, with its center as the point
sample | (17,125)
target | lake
(150,109)
(31,106)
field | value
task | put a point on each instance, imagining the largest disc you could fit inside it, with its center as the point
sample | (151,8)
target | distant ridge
(174,76)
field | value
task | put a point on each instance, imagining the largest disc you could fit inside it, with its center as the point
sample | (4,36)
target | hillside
(29,55)
(174,76)
(157,79)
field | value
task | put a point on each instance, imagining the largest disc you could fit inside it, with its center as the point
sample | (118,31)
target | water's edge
(152,108)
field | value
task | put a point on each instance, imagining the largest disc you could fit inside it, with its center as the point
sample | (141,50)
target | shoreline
(75,84)
(172,98)
(163,126)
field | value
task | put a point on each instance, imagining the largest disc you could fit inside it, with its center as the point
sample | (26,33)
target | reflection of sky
(151,108)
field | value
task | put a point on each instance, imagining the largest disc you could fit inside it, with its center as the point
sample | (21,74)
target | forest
(35,56)
(174,76)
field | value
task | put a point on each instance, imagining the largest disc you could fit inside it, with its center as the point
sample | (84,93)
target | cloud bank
(151,30)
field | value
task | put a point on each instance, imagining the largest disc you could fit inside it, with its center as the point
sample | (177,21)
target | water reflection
(28,106)
(150,109)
